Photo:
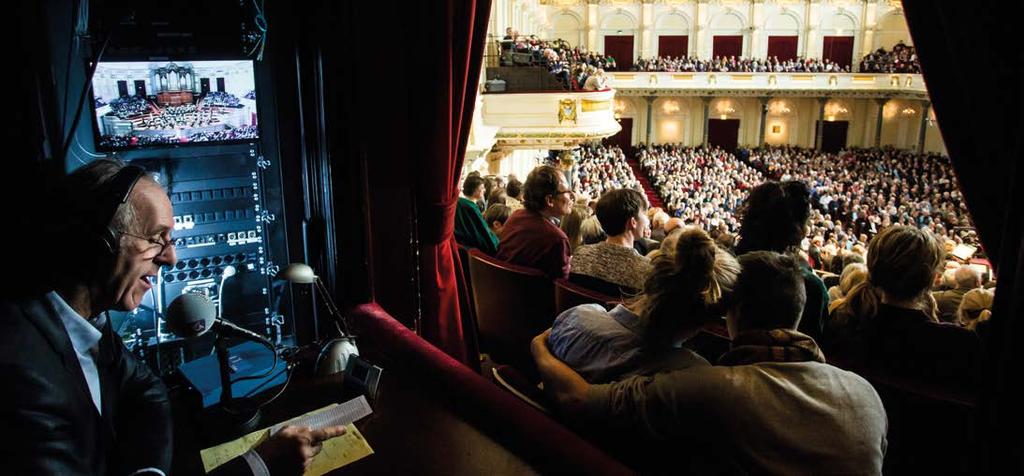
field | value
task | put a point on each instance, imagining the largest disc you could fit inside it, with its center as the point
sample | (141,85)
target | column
(819,127)
(592,26)
(763,101)
(650,119)
(646,29)
(812,36)
(868,34)
(923,128)
(878,121)
(700,14)
(707,110)
(755,46)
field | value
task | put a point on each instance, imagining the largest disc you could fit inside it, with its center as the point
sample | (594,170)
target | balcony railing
(909,86)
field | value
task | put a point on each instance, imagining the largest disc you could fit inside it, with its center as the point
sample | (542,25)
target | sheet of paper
(330,415)
(337,452)
(222,453)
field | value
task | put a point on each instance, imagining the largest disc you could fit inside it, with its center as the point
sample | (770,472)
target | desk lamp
(337,350)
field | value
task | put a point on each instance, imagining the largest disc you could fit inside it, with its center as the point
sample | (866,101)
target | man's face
(560,204)
(140,260)
(642,228)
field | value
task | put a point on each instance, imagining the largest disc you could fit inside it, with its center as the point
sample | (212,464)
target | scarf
(775,345)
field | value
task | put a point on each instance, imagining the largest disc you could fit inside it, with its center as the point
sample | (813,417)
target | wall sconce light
(908,111)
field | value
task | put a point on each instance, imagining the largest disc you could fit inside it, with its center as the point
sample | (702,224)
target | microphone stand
(220,345)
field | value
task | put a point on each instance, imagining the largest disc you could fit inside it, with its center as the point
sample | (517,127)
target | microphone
(192,315)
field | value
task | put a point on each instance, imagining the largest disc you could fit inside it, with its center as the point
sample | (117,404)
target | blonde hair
(975,308)
(690,277)
(902,262)
(853,274)
(572,225)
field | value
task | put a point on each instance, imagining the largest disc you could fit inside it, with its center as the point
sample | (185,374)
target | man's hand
(291,450)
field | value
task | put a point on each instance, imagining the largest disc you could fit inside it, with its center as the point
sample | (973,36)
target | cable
(86,84)
(235,411)
(270,346)
(72,46)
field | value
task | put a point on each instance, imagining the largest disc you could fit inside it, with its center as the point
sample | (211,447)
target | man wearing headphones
(73,399)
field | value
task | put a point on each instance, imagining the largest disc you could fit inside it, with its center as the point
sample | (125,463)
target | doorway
(724,133)
(620,47)
(833,135)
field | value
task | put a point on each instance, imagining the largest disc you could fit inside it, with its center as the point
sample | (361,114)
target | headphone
(109,197)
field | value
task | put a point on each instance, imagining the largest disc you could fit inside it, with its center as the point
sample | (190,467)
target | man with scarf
(771,405)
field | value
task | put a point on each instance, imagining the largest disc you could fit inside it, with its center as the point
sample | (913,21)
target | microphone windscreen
(191,315)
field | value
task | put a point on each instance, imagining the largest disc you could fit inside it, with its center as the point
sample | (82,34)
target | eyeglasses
(162,244)
(564,191)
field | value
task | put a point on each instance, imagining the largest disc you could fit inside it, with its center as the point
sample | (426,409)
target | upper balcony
(548,120)
(852,85)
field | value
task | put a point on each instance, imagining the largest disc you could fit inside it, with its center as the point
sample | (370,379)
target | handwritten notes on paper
(337,452)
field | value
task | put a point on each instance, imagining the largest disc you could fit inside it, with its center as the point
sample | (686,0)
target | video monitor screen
(162,103)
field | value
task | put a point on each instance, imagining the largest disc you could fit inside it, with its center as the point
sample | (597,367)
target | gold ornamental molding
(590,105)
(554,135)
(567,111)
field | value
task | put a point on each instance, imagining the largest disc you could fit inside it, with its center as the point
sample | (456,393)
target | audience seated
(774,218)
(127,107)
(623,217)
(471,230)
(600,168)
(859,191)
(531,236)
(644,336)
(902,59)
(772,405)
(738,65)
(220,98)
(702,186)
(887,324)
(572,66)
(948,301)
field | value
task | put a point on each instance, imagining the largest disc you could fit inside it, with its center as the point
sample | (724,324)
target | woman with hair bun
(975,308)
(684,290)
(888,323)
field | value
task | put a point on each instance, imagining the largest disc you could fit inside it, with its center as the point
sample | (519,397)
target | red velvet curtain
(727,45)
(673,45)
(838,49)
(783,46)
(620,47)
(451,70)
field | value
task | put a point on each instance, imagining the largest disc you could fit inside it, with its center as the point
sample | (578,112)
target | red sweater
(529,239)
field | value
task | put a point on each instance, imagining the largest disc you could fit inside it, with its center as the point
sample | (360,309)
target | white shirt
(85,337)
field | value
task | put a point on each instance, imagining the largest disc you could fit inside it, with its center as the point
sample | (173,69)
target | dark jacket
(48,415)
(471,230)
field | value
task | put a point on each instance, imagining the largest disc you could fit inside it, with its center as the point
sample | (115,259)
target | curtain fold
(451,72)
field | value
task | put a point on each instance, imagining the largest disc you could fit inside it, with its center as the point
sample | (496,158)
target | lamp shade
(298,273)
